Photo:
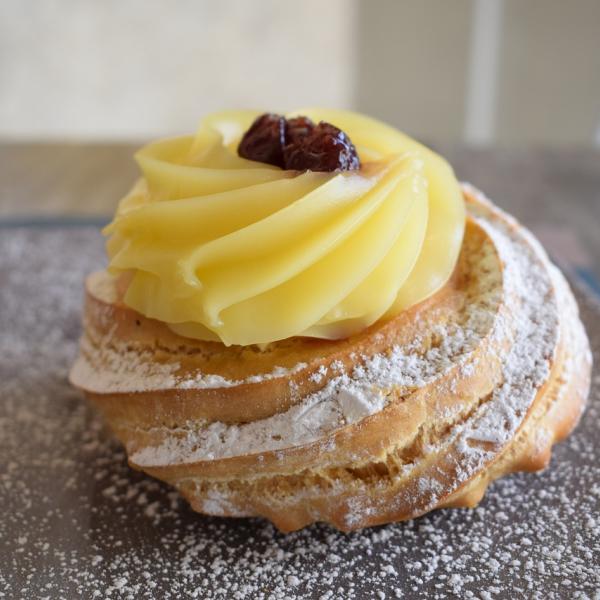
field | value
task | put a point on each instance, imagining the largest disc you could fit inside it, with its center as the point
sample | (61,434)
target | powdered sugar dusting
(527,364)
(78,523)
(346,398)
(537,290)
(123,369)
(532,289)
(109,365)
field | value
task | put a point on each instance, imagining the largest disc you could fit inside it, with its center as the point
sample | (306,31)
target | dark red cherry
(297,128)
(264,140)
(323,148)
(298,144)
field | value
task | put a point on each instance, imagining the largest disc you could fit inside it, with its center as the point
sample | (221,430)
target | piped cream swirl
(223,248)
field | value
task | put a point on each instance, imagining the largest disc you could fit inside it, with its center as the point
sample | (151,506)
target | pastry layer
(417,412)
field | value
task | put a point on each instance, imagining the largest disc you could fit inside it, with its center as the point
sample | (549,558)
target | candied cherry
(296,129)
(264,140)
(323,148)
(298,144)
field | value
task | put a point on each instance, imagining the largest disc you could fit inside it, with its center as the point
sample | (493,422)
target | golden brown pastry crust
(394,463)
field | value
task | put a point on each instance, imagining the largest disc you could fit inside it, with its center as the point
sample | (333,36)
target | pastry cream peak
(224,248)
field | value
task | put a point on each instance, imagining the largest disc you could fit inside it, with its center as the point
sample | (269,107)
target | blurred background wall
(511,72)
(139,68)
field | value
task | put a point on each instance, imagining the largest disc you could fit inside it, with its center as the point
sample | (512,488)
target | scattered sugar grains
(78,523)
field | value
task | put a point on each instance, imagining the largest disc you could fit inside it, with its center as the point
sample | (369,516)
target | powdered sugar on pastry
(528,294)
(420,412)
(109,365)
(346,398)
(109,368)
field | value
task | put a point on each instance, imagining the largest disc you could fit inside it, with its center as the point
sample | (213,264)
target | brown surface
(541,187)
(64,178)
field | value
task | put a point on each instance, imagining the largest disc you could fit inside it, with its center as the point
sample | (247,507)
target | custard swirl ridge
(227,249)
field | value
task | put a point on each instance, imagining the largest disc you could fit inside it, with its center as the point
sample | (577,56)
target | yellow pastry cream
(220,247)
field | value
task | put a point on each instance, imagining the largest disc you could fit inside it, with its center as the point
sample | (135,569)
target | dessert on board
(306,317)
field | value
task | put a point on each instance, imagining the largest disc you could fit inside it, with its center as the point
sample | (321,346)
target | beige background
(138,68)
(510,72)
